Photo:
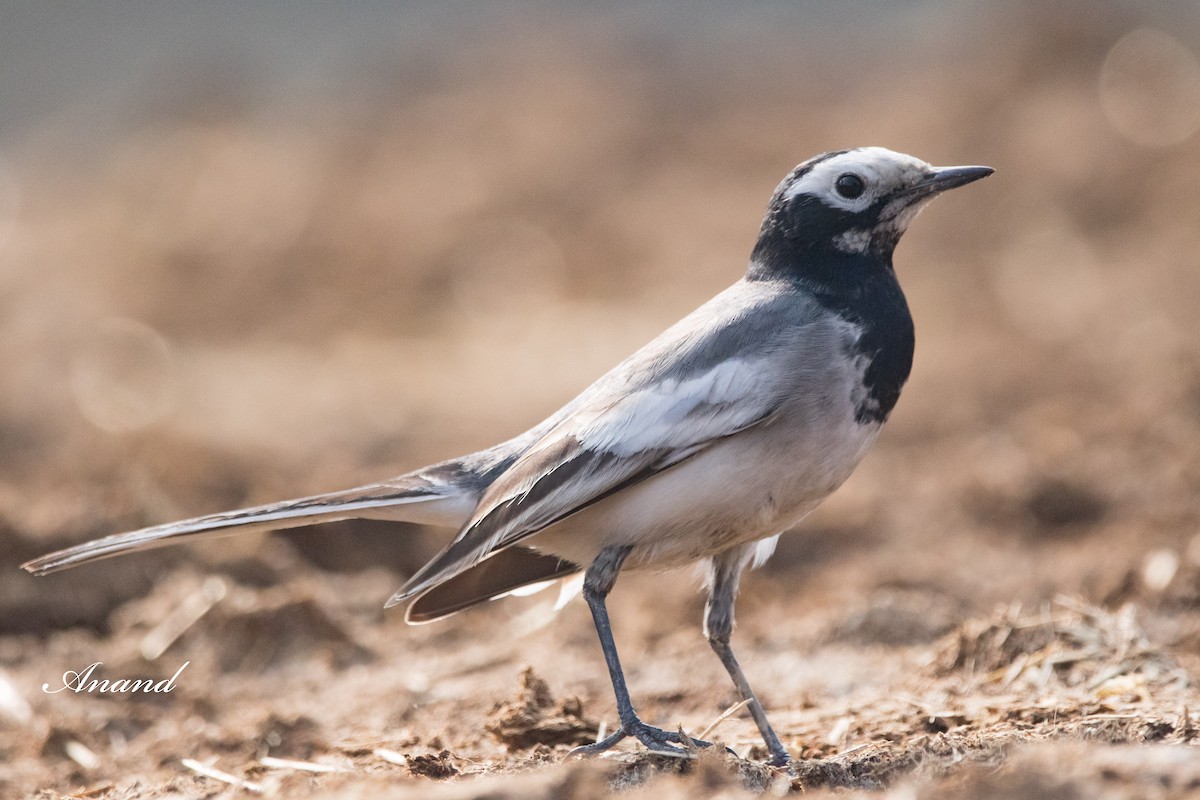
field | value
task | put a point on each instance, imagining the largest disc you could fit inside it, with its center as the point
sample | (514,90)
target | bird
(703,446)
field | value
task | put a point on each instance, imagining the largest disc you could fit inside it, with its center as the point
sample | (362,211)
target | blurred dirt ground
(233,302)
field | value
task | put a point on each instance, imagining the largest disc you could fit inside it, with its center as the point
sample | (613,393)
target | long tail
(419,497)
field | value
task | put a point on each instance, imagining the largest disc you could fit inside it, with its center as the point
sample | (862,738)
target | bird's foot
(782,759)
(655,739)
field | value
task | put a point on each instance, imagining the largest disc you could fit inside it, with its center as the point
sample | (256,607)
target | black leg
(718,627)
(597,583)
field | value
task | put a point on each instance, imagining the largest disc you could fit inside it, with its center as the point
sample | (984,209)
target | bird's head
(851,203)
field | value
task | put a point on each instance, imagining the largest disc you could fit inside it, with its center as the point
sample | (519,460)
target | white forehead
(881,170)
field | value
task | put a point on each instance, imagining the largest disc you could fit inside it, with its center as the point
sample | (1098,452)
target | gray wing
(720,371)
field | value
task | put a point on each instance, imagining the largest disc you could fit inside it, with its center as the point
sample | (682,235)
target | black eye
(849,186)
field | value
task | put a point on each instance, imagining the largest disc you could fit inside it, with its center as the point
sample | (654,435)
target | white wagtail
(705,444)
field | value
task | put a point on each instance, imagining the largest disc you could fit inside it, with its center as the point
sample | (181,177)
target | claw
(600,746)
(782,760)
(655,739)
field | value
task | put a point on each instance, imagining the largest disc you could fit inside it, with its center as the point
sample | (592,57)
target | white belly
(748,487)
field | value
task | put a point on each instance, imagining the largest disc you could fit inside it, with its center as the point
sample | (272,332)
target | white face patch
(902,214)
(894,218)
(855,240)
(880,169)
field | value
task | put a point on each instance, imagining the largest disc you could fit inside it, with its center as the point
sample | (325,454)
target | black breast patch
(861,288)
(886,343)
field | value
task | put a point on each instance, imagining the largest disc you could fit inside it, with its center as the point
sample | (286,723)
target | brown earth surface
(229,303)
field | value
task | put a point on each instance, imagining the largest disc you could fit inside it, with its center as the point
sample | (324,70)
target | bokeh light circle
(124,378)
(1150,88)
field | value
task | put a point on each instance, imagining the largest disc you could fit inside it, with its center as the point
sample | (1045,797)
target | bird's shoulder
(750,323)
